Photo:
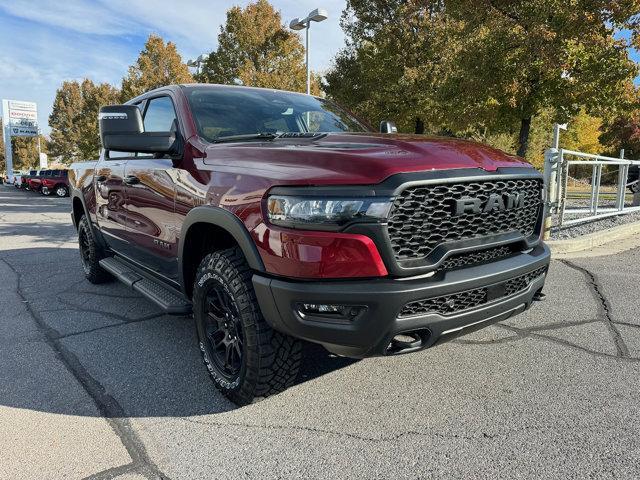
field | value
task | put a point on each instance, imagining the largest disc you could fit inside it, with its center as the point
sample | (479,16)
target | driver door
(151,228)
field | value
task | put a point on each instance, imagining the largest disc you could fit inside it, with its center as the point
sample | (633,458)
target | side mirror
(122,129)
(388,127)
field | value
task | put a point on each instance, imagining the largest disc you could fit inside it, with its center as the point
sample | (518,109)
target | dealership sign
(19,119)
(23,118)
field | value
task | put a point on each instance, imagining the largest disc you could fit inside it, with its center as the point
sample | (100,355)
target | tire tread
(272,358)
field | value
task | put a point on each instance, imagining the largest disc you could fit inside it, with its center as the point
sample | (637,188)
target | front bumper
(371,332)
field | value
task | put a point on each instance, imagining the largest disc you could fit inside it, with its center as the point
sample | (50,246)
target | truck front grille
(476,258)
(465,300)
(424,216)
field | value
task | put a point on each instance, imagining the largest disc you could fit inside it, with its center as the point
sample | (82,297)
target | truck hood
(355,158)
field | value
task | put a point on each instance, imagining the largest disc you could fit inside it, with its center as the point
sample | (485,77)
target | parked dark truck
(277,217)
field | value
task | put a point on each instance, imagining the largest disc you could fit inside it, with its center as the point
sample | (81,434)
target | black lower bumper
(371,332)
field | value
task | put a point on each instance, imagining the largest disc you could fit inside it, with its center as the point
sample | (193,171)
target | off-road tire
(90,254)
(270,360)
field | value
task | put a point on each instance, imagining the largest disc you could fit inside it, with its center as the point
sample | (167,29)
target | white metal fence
(597,198)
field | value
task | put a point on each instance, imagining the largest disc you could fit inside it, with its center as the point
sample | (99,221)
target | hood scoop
(350,145)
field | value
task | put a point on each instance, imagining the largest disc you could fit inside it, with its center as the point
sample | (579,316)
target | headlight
(308,212)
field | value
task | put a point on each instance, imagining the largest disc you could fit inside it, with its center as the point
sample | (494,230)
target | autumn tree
(159,64)
(65,135)
(25,152)
(74,119)
(623,132)
(93,97)
(256,49)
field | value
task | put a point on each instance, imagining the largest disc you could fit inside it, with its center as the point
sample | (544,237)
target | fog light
(338,312)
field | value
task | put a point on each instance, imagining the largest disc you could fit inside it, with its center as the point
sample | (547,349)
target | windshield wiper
(248,136)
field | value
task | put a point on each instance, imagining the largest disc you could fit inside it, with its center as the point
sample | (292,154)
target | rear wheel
(635,188)
(245,357)
(90,254)
(61,191)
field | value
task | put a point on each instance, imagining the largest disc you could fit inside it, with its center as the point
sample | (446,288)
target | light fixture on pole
(318,15)
(198,62)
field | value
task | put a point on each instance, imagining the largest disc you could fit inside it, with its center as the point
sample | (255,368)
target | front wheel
(245,357)
(635,187)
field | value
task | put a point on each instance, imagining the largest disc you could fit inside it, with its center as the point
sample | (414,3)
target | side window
(160,115)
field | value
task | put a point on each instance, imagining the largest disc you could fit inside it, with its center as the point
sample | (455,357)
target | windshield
(229,111)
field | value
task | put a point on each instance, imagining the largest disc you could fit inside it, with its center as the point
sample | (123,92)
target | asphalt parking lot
(95,382)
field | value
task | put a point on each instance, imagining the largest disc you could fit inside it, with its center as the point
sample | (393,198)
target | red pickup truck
(276,217)
(55,182)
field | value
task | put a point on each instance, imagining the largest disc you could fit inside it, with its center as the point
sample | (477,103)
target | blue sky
(46,42)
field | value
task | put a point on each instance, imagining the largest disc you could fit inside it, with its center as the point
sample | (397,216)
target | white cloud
(75,39)
(78,15)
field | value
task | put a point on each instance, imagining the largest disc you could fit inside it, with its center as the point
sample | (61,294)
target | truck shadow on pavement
(130,358)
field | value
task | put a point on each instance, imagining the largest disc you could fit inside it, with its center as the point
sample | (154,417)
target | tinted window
(222,112)
(160,115)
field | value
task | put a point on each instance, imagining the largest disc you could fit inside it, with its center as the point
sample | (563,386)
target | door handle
(131,180)
(101,178)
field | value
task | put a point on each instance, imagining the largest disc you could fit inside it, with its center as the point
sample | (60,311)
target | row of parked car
(46,182)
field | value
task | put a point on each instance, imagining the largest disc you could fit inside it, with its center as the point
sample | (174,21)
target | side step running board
(170,300)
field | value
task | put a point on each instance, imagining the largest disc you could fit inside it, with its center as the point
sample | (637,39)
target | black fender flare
(75,194)
(227,221)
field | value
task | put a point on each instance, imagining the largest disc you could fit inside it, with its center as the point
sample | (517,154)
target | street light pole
(307,61)
(318,15)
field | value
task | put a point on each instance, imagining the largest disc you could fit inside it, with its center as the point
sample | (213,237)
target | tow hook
(539,297)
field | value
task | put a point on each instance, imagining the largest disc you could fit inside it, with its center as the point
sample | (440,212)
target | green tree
(255,49)
(65,134)
(521,57)
(489,66)
(397,53)
(159,64)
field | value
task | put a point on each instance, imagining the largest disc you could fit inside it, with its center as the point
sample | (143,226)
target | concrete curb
(595,239)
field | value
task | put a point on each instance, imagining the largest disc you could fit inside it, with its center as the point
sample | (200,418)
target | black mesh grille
(474,258)
(458,302)
(422,217)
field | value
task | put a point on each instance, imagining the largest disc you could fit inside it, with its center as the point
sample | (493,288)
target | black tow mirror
(122,129)
(388,127)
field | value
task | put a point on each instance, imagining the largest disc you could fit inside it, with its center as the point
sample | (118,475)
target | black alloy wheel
(224,332)
(245,357)
(90,254)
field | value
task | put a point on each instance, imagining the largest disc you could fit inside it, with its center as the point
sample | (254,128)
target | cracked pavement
(96,383)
